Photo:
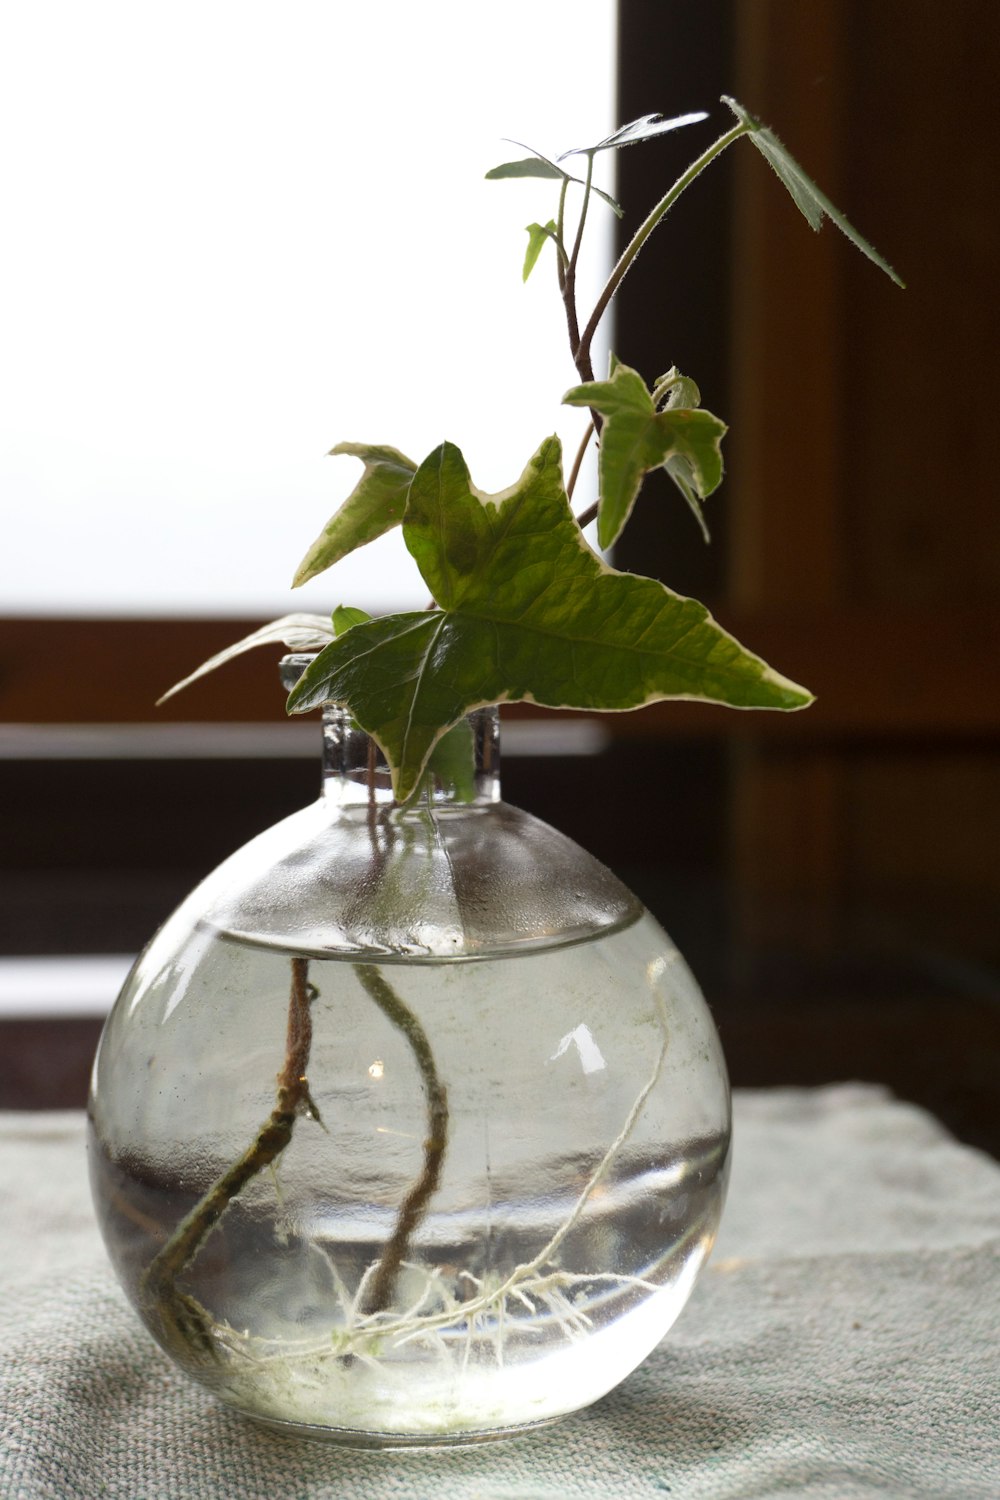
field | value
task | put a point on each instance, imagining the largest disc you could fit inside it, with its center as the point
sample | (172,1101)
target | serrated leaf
(528,612)
(680,472)
(345,617)
(537,235)
(297,632)
(809,199)
(374,506)
(674,389)
(636,438)
(643,129)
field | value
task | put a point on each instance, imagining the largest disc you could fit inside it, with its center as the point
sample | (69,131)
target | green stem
(412,1208)
(575,255)
(567,284)
(561,261)
(640,237)
(372,801)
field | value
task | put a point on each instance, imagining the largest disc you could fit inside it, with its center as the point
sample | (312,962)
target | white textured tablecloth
(842,1344)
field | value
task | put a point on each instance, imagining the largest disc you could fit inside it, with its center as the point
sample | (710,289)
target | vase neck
(464,773)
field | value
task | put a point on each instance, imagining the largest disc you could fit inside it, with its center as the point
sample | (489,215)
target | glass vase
(410,1127)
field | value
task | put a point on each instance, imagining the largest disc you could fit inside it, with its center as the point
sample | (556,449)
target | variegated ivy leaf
(642,129)
(671,391)
(636,438)
(528,612)
(537,235)
(810,200)
(679,470)
(453,759)
(674,389)
(374,506)
(297,632)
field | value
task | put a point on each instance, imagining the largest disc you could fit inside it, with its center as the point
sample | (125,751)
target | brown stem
(572,320)
(581,356)
(628,255)
(412,1208)
(578,461)
(586,516)
(293,1099)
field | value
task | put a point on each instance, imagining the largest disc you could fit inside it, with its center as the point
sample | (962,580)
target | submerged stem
(412,1208)
(293,1099)
(538,1278)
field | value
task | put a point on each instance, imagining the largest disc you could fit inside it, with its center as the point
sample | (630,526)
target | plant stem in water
(160,1281)
(413,1206)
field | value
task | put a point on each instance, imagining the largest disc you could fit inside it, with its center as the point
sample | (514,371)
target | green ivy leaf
(345,617)
(453,761)
(297,632)
(679,470)
(636,438)
(642,129)
(374,506)
(537,235)
(810,200)
(528,612)
(674,389)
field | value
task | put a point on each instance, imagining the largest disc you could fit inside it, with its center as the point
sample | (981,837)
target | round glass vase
(410,1127)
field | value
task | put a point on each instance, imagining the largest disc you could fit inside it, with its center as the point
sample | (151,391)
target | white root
(534,1284)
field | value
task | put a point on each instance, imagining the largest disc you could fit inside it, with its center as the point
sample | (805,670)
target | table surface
(842,1343)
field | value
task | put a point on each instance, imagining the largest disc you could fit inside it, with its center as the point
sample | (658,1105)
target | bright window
(237,233)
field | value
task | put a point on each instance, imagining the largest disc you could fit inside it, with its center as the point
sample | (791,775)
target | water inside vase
(578,1184)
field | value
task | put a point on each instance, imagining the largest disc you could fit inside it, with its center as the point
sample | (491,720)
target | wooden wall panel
(862,464)
(785,478)
(921,376)
(922,840)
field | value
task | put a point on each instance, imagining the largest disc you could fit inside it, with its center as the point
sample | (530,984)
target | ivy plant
(522,608)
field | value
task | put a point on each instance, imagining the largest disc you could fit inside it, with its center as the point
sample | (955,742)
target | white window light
(237,233)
